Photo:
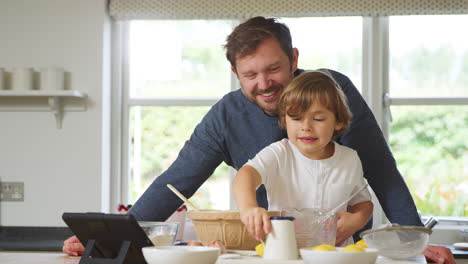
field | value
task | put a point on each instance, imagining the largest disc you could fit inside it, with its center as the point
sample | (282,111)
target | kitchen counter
(15,257)
(251,257)
(29,257)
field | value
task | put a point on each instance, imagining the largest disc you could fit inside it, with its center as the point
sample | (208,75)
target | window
(428,94)
(329,42)
(177,70)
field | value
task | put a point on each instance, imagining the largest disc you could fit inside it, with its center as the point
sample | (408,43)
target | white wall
(62,169)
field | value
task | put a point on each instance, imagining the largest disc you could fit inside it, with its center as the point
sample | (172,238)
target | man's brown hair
(246,37)
(310,87)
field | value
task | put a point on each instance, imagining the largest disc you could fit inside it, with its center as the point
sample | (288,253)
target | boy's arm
(244,187)
(353,220)
(362,212)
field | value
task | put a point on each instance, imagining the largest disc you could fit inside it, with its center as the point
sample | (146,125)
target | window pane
(428,57)
(430,146)
(178,58)
(158,134)
(329,42)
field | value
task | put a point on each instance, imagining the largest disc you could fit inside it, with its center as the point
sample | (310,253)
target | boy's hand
(256,220)
(348,224)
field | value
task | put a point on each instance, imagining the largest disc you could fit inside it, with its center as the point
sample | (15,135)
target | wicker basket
(225,226)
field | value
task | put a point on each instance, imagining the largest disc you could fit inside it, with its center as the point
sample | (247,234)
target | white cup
(2,79)
(52,79)
(22,79)
(281,241)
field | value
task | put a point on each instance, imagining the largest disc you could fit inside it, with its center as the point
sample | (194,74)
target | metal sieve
(398,242)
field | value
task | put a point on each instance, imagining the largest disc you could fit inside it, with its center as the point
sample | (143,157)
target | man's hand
(73,247)
(256,220)
(439,254)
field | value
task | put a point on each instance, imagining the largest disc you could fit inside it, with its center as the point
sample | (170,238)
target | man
(245,121)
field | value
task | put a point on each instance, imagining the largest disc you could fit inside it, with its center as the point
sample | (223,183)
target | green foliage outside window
(430,146)
(164,132)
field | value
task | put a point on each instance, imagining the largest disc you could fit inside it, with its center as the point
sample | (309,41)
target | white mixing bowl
(338,257)
(180,255)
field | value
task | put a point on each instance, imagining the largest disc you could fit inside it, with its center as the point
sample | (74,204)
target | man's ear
(233,70)
(295,58)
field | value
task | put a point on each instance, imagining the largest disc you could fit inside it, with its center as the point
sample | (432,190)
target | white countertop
(251,257)
(24,257)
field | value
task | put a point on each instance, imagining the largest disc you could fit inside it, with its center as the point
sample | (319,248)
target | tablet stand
(87,259)
(108,238)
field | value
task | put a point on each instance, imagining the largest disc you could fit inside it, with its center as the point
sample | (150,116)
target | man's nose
(264,81)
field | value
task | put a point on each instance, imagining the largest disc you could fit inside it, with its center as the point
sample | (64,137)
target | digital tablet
(108,237)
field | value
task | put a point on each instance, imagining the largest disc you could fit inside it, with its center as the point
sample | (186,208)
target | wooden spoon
(181,196)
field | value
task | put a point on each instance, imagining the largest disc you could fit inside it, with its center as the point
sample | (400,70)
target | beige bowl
(225,226)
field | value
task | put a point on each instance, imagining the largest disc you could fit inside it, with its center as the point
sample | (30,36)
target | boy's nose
(306,125)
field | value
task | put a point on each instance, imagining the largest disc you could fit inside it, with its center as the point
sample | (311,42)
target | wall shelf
(36,100)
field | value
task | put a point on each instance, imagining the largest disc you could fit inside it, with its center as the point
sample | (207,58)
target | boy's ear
(339,126)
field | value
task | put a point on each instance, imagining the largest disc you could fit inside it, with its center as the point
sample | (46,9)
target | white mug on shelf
(22,79)
(52,78)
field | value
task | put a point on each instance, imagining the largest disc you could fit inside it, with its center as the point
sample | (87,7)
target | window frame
(375,88)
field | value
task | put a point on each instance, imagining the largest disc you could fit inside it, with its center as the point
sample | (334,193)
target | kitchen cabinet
(37,100)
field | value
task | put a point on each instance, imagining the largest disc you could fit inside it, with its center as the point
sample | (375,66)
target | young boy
(308,169)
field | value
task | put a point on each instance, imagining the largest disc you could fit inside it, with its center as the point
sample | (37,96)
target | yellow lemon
(324,247)
(361,244)
(259,249)
(353,248)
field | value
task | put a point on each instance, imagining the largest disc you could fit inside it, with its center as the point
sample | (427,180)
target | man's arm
(197,160)
(378,163)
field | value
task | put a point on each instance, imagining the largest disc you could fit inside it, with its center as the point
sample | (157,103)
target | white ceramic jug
(281,241)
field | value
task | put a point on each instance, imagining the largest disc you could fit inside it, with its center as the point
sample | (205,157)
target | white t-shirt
(295,181)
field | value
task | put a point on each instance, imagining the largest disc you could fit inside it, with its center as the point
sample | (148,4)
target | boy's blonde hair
(310,87)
